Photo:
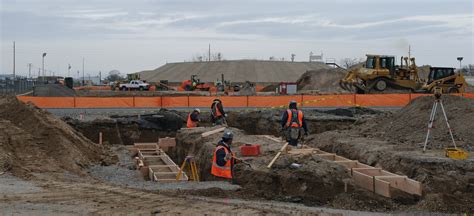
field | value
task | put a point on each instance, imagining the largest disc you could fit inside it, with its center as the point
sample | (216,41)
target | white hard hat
(197,110)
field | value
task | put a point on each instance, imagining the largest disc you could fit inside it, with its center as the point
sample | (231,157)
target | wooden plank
(339,158)
(327,156)
(374,171)
(403,183)
(277,155)
(273,138)
(362,180)
(205,134)
(348,164)
(303,151)
(382,187)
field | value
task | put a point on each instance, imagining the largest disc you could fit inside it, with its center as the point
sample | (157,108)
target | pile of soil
(53,90)
(32,140)
(409,125)
(322,80)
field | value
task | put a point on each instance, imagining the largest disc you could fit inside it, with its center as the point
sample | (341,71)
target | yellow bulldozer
(379,74)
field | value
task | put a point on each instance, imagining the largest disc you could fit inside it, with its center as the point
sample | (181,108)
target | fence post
(301,98)
(355,100)
(133,101)
(247,101)
(188,101)
(161,102)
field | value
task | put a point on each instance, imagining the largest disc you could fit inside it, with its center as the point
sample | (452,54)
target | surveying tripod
(437,102)
(191,162)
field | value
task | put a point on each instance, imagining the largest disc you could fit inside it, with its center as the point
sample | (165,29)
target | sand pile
(409,125)
(322,80)
(32,140)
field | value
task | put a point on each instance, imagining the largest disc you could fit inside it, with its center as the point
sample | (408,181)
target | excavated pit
(316,181)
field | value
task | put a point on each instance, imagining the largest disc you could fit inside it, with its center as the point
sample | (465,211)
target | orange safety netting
(272,101)
(104,102)
(49,102)
(382,99)
(395,100)
(328,100)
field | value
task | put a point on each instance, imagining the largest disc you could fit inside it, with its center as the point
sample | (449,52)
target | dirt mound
(322,80)
(53,90)
(33,140)
(409,125)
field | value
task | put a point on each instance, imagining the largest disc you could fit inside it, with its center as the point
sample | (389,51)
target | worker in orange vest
(223,160)
(193,118)
(218,114)
(293,122)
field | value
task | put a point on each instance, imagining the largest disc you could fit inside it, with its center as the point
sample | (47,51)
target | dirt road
(79,198)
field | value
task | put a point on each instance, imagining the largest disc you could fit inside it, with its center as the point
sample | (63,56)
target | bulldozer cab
(381,62)
(437,73)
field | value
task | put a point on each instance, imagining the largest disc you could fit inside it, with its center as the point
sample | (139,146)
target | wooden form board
(371,178)
(205,134)
(155,163)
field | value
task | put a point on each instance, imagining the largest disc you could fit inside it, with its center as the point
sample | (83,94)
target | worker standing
(293,122)
(193,118)
(217,113)
(223,160)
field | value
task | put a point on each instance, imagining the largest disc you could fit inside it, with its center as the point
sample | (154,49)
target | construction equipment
(446,79)
(380,73)
(194,84)
(455,153)
(189,160)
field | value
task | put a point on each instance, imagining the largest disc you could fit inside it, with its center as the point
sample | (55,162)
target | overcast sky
(134,35)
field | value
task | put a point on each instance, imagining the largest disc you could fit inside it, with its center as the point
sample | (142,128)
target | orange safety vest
(216,111)
(190,123)
(221,171)
(290,121)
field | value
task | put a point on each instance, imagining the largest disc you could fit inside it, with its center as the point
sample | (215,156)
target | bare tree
(349,62)
(113,76)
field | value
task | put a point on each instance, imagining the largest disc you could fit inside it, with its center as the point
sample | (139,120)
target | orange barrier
(104,102)
(343,100)
(49,102)
(393,100)
(147,102)
(272,101)
(328,100)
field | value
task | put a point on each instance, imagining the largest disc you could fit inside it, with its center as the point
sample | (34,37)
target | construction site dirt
(66,171)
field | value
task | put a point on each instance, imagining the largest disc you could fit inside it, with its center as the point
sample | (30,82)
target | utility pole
(29,70)
(68,69)
(39,73)
(409,52)
(100,77)
(44,54)
(14,60)
(209,53)
(83,81)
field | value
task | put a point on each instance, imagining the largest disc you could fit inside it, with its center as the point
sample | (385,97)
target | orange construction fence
(342,100)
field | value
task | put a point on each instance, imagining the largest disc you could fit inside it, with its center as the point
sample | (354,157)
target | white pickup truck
(135,85)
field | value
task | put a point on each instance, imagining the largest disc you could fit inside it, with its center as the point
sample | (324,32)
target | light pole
(44,55)
(460,58)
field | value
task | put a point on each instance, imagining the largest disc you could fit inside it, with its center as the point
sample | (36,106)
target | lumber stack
(153,162)
(371,178)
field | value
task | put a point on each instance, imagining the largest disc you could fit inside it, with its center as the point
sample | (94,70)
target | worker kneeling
(224,160)
(292,122)
(193,118)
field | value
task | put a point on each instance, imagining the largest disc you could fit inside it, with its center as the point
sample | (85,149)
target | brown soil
(316,182)
(391,141)
(408,126)
(34,141)
(322,80)
(127,130)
